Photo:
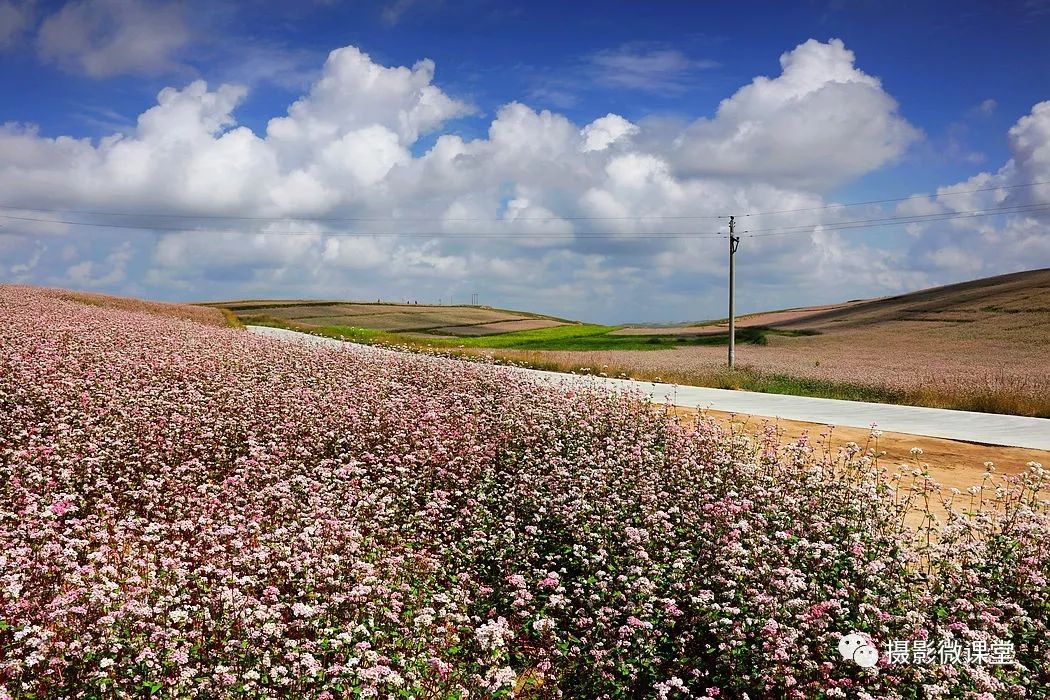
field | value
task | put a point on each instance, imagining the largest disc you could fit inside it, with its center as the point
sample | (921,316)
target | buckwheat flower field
(190,511)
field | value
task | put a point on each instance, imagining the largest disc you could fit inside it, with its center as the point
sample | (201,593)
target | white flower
(543,625)
(492,635)
(424,619)
(502,678)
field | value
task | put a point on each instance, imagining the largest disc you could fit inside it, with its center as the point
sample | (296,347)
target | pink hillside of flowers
(190,511)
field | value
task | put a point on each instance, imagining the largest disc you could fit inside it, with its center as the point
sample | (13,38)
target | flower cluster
(191,511)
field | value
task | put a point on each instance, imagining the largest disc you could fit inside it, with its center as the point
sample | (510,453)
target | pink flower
(62,506)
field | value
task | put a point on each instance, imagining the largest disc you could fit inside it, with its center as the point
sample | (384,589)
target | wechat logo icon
(856,648)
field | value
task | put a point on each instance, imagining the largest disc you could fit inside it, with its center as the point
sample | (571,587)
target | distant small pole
(734,243)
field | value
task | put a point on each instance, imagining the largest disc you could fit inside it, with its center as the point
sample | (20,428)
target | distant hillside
(1014,304)
(426,319)
(994,303)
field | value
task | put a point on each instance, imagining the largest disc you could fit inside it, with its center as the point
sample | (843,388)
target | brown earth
(951,463)
(407,318)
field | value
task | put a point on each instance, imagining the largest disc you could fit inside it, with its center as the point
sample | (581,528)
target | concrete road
(986,428)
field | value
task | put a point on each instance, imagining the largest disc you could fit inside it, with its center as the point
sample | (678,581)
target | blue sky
(920,95)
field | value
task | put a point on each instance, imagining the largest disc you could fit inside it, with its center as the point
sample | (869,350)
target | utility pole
(734,243)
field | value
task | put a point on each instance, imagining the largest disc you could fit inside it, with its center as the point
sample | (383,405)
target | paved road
(987,428)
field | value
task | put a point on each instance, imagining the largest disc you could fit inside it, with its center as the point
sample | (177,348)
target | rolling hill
(993,306)
(978,345)
(416,319)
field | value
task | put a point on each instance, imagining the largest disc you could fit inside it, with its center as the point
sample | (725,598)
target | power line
(896,220)
(734,241)
(360,219)
(899,199)
(627,235)
(636,217)
(390,234)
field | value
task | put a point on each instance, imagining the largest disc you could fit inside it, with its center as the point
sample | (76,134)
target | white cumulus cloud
(514,213)
(606,130)
(822,121)
(986,244)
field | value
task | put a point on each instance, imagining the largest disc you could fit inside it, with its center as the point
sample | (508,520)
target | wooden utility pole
(734,242)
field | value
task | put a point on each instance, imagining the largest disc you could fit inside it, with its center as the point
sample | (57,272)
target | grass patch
(526,347)
(752,380)
(591,337)
(231,319)
(740,379)
(1006,396)
(365,336)
(571,337)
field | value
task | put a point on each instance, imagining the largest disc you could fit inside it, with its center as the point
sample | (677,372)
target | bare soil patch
(951,463)
(410,318)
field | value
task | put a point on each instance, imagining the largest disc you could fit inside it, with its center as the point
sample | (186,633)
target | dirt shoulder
(951,463)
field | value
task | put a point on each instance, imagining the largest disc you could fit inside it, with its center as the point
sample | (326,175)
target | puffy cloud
(102,38)
(354,91)
(519,132)
(510,213)
(365,155)
(182,155)
(1017,240)
(821,122)
(1030,145)
(606,130)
